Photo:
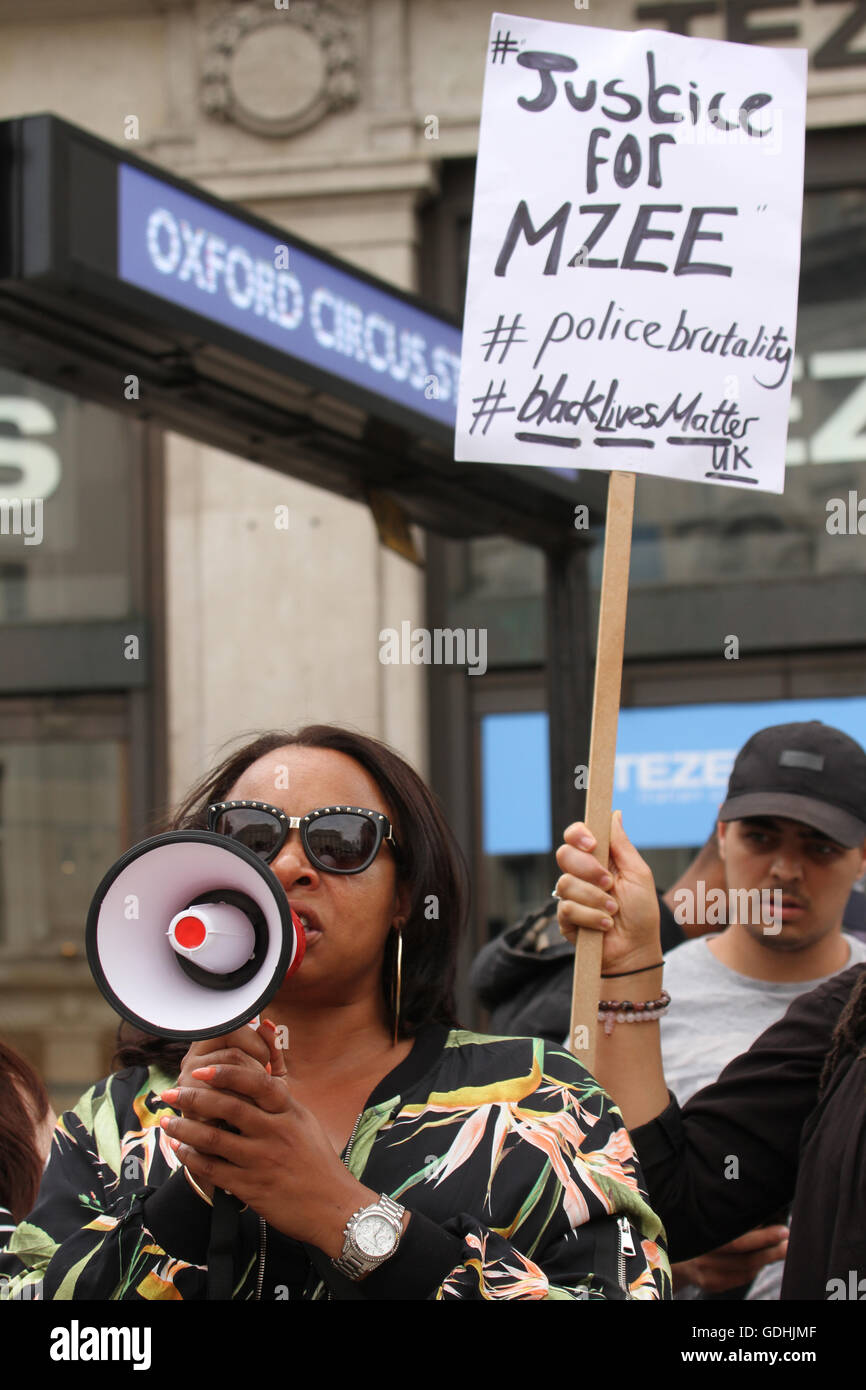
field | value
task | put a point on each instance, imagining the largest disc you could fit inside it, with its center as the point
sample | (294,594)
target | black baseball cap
(806,772)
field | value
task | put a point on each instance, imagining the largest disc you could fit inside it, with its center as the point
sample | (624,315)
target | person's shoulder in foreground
(771,1108)
(520,1177)
(105,1154)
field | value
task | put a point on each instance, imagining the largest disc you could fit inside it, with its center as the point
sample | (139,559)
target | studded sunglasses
(336,839)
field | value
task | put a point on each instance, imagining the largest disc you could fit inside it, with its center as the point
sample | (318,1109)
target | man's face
(813,872)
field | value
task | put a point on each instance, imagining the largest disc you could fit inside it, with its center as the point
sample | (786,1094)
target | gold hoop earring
(398,984)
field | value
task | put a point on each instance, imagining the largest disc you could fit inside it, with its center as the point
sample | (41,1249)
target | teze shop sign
(843,45)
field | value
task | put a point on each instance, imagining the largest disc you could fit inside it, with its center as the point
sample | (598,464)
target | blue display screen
(672,768)
(515,773)
(234,273)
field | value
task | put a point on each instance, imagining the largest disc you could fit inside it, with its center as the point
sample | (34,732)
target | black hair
(847,1034)
(23,1106)
(430,864)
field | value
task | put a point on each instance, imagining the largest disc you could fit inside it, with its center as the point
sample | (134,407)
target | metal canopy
(73,311)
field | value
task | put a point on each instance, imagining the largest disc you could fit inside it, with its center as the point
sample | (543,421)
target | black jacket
(524,976)
(759,1139)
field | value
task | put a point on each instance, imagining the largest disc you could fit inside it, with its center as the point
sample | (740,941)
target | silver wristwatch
(372,1236)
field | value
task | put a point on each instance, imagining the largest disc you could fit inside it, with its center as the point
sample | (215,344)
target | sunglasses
(337,839)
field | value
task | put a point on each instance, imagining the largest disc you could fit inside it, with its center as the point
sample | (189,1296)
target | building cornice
(314,178)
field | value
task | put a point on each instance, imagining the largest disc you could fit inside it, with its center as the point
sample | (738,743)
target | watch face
(375,1236)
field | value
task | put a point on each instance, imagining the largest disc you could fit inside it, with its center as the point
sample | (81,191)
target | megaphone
(190,935)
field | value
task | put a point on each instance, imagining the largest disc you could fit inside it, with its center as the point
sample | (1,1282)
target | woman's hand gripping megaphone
(248,1047)
(273,1153)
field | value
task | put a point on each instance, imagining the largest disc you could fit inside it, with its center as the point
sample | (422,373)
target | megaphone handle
(224,1223)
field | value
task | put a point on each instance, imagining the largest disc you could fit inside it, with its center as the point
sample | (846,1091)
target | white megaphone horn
(190,935)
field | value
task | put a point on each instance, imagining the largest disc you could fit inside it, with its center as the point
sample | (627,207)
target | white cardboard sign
(632,292)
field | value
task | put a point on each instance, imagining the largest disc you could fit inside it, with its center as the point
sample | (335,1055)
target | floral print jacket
(520,1177)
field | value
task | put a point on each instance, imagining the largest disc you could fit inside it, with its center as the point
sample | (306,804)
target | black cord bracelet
(621,975)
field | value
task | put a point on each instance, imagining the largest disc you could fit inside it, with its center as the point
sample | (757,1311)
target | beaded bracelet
(611,1011)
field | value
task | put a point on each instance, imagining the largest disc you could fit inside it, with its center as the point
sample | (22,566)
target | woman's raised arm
(622,903)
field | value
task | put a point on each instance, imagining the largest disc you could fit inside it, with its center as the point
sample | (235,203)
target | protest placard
(632,290)
(631,295)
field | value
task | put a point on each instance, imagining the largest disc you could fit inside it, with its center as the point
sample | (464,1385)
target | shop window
(66,505)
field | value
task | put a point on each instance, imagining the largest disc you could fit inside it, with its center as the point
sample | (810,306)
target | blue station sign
(195,255)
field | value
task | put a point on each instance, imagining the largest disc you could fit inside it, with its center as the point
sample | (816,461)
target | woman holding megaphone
(374,1149)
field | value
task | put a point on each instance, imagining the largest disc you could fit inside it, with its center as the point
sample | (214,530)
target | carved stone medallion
(277,71)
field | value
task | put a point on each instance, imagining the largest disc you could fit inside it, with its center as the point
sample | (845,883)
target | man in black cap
(757,1139)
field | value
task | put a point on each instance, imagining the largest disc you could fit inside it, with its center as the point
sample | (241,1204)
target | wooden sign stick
(602,747)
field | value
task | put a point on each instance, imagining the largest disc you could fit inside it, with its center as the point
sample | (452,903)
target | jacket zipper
(263,1238)
(626,1247)
(351,1142)
(347,1156)
(263,1245)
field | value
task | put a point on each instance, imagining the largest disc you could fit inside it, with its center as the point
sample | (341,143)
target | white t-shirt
(715,1014)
